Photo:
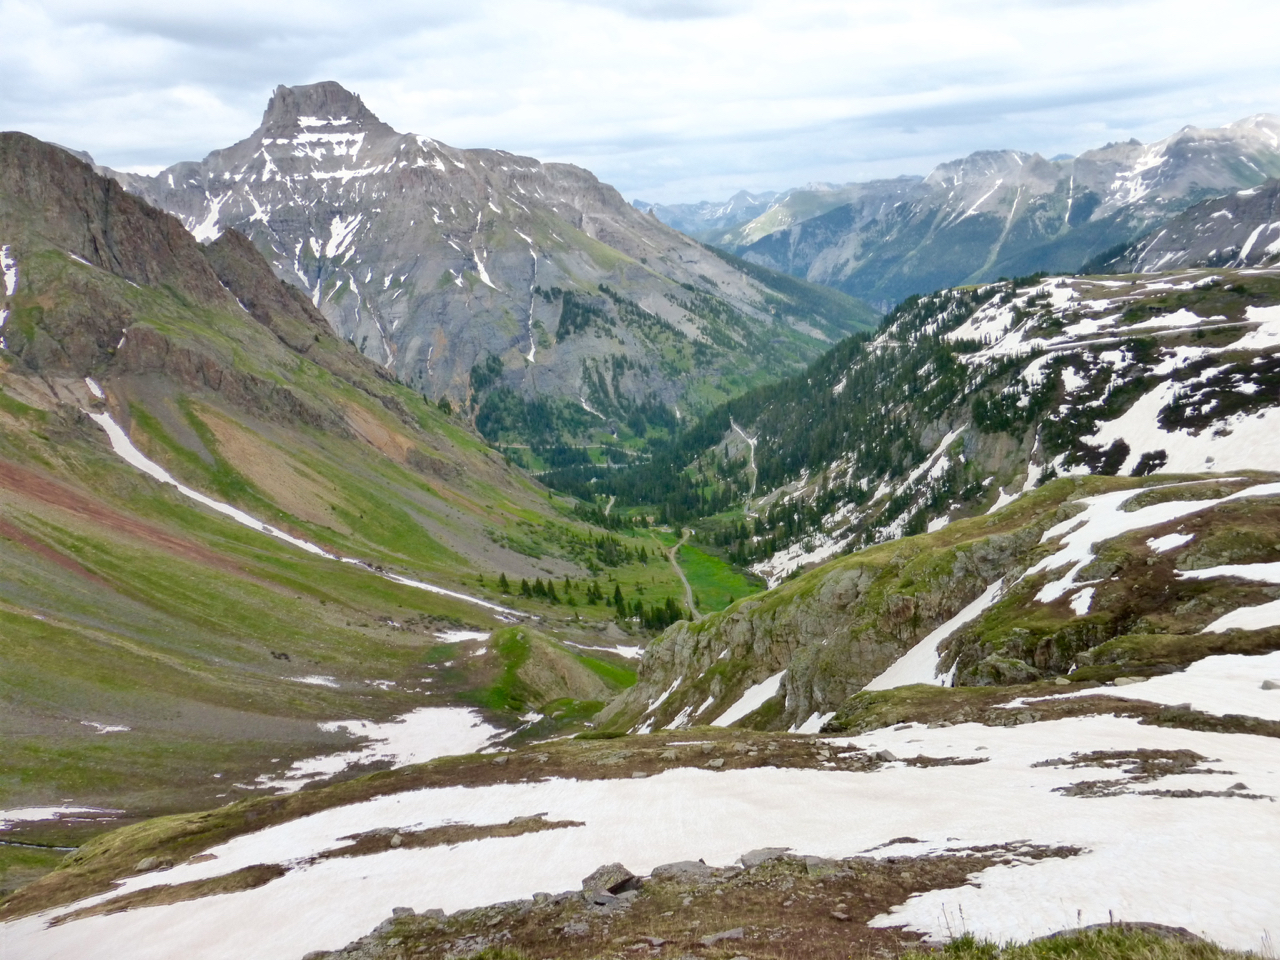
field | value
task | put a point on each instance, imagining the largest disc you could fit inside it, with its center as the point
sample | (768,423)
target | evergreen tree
(503,584)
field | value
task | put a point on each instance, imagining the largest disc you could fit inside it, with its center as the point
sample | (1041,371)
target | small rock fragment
(711,940)
(885,755)
(499,761)
(668,755)
(396,840)
(1270,685)
(402,912)
(716,764)
(837,915)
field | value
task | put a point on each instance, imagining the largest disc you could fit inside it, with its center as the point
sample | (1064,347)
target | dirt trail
(675,565)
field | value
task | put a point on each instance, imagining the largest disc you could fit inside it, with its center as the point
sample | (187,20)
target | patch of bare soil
(779,906)
(379,841)
(37,486)
(43,550)
(1141,765)
(296,490)
(245,878)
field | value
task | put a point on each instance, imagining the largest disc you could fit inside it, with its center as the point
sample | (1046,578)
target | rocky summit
(432,260)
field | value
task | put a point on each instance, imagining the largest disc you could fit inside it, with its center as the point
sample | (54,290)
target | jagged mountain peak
(1004,212)
(325,104)
(433,259)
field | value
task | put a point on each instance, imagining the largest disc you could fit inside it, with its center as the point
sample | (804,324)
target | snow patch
(751,700)
(1169,541)
(416,737)
(10,268)
(921,664)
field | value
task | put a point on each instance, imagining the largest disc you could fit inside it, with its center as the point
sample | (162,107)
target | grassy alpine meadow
(715,583)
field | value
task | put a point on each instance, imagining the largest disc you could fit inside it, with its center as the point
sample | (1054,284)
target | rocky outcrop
(831,630)
(73,209)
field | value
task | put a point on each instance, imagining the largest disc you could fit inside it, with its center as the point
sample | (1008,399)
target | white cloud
(666,99)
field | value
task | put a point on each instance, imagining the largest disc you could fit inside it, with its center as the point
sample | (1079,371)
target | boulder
(683,870)
(756,857)
(612,878)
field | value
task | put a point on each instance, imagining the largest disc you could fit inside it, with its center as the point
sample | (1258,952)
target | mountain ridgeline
(997,213)
(1241,229)
(530,294)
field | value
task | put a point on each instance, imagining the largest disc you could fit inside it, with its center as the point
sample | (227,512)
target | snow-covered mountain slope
(707,218)
(966,398)
(1003,213)
(1241,229)
(1029,818)
(432,260)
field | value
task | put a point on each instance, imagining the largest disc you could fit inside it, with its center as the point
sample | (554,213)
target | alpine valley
(814,634)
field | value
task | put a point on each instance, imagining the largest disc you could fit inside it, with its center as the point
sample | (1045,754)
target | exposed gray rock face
(1241,229)
(430,259)
(1002,213)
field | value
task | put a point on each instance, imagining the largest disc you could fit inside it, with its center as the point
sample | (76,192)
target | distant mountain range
(708,219)
(435,261)
(1241,229)
(997,213)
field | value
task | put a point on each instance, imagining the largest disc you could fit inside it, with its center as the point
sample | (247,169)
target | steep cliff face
(432,259)
(60,217)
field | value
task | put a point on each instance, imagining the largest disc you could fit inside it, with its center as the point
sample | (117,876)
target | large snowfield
(1206,862)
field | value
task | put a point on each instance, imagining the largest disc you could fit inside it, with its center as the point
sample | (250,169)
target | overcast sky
(667,100)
